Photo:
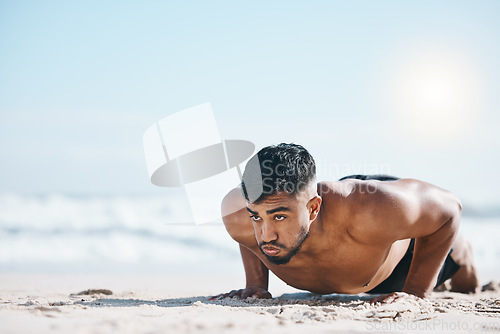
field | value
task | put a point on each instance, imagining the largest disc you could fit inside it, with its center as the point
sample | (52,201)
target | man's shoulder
(236,218)
(379,199)
(387,210)
(362,208)
(372,190)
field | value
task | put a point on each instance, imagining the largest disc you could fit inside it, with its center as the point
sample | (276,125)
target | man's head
(279,185)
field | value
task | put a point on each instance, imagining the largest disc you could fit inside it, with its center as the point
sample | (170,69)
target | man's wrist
(256,285)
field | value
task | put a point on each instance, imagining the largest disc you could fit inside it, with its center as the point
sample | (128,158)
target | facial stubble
(278,260)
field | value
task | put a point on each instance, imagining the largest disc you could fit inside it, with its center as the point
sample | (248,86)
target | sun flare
(437,97)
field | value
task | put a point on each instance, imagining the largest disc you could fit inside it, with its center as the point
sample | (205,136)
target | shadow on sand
(285,299)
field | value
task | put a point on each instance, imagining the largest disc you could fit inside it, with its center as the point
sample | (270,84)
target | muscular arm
(257,274)
(413,209)
(239,227)
(429,254)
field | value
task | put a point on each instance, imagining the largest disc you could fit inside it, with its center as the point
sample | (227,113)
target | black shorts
(396,281)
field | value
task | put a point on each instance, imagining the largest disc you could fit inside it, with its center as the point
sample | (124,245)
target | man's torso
(333,259)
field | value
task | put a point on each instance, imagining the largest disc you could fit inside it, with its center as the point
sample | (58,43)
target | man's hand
(394,297)
(251,291)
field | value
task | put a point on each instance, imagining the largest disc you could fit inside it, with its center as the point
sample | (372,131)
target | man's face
(281,223)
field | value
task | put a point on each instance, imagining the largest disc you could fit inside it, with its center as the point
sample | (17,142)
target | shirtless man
(349,236)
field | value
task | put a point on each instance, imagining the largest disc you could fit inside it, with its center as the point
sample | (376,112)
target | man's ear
(314,205)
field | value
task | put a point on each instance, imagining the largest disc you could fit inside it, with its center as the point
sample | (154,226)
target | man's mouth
(271,251)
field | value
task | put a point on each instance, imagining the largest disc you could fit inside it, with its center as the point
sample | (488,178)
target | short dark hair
(275,169)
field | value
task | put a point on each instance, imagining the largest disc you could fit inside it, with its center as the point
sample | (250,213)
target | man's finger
(233,293)
(246,294)
(382,299)
(221,296)
(389,299)
(215,297)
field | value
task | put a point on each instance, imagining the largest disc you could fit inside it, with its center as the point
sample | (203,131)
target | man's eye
(255,218)
(279,217)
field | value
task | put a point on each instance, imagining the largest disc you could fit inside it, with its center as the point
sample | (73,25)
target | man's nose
(268,233)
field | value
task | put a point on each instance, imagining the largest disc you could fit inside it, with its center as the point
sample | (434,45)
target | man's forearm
(429,255)
(256,272)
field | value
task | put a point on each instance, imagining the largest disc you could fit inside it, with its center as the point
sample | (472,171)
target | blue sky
(409,88)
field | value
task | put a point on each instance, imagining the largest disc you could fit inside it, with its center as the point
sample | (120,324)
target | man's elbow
(451,207)
(457,207)
(451,210)
(455,213)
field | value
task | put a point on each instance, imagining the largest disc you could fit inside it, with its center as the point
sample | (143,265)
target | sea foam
(149,233)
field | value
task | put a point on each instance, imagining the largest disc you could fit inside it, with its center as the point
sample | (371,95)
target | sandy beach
(125,124)
(108,303)
(155,277)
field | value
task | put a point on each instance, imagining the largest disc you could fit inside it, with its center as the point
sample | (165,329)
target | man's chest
(341,268)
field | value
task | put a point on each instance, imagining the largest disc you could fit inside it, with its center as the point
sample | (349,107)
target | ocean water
(57,233)
(60,233)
